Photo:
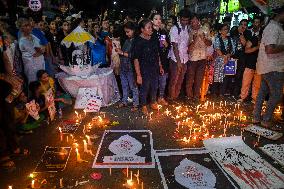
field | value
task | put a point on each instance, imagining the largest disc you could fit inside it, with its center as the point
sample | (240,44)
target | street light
(114,2)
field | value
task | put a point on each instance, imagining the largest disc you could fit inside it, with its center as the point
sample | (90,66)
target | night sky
(95,6)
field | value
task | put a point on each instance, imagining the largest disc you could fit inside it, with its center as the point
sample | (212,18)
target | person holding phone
(162,38)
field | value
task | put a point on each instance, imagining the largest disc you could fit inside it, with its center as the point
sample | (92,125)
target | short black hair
(40,73)
(194,15)
(183,13)
(143,23)
(244,20)
(33,86)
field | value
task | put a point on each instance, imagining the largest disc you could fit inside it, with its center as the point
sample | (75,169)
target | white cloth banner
(243,164)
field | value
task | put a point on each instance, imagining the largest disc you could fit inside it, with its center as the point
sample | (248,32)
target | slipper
(134,109)
(22,152)
(121,105)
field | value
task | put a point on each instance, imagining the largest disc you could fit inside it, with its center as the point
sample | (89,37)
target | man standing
(198,44)
(251,53)
(240,34)
(178,54)
(270,64)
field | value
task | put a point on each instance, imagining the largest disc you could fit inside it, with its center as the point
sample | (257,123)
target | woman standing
(224,47)
(163,41)
(126,67)
(147,64)
(32,51)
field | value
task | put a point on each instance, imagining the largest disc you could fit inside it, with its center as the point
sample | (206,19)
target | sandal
(21,152)
(134,109)
(121,105)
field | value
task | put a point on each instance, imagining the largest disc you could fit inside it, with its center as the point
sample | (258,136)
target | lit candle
(89,140)
(167,112)
(77,114)
(159,107)
(213,105)
(127,171)
(150,115)
(130,175)
(137,176)
(238,106)
(84,130)
(61,135)
(33,184)
(10,187)
(61,183)
(85,112)
(110,171)
(78,155)
(142,185)
(258,138)
(85,146)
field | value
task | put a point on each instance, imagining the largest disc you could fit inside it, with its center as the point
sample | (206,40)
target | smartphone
(162,38)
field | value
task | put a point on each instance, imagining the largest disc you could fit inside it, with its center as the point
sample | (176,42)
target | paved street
(170,131)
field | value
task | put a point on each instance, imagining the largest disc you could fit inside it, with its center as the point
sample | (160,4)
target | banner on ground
(125,148)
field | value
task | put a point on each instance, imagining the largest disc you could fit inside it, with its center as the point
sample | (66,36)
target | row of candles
(195,122)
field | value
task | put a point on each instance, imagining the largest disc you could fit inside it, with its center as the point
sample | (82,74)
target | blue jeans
(162,84)
(272,84)
(128,82)
(149,87)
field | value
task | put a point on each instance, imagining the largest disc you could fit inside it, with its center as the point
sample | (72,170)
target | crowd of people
(160,60)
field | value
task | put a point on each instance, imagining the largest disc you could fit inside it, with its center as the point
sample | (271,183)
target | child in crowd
(36,94)
(126,68)
(46,83)
(24,122)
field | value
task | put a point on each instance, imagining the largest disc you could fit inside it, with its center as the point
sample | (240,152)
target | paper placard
(35,5)
(191,168)
(125,148)
(54,159)
(49,99)
(243,164)
(32,109)
(86,95)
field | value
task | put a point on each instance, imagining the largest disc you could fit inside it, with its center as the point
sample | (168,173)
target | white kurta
(31,64)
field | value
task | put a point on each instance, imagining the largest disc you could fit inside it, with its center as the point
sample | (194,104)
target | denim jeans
(148,87)
(272,84)
(162,84)
(128,82)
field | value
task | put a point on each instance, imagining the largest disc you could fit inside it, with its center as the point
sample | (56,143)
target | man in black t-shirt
(251,53)
(240,34)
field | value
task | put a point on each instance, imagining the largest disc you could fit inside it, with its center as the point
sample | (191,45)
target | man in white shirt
(198,43)
(270,64)
(178,54)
